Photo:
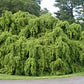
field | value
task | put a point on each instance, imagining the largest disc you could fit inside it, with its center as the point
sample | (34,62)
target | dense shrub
(36,46)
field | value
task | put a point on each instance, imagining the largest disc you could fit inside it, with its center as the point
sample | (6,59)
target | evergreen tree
(67,9)
(30,6)
(44,11)
(80,12)
(36,46)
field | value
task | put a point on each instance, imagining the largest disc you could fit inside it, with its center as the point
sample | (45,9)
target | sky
(49,4)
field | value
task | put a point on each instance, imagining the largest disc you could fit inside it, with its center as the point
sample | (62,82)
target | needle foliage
(37,46)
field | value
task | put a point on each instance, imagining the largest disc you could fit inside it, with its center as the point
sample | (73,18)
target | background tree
(80,12)
(30,6)
(38,1)
(67,9)
(44,11)
(80,9)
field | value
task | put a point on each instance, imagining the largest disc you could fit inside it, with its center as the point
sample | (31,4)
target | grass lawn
(14,77)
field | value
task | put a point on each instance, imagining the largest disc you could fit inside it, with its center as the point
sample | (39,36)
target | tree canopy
(67,8)
(37,46)
(14,6)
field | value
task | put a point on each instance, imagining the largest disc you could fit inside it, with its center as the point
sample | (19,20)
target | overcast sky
(49,4)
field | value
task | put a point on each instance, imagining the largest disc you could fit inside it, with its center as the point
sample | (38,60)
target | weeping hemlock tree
(36,46)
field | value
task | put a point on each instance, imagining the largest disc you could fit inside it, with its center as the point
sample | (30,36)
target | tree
(36,46)
(44,11)
(66,9)
(30,6)
(38,1)
(80,12)
(80,8)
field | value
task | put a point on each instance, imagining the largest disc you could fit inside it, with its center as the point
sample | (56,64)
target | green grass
(14,77)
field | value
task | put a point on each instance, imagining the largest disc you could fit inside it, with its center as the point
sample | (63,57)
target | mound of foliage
(36,46)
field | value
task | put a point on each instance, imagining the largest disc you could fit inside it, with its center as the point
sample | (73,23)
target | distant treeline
(31,6)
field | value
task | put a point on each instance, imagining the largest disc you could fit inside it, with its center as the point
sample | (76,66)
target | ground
(76,78)
(71,80)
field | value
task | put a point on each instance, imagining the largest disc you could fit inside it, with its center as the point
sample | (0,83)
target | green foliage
(31,6)
(36,46)
(67,9)
(44,11)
